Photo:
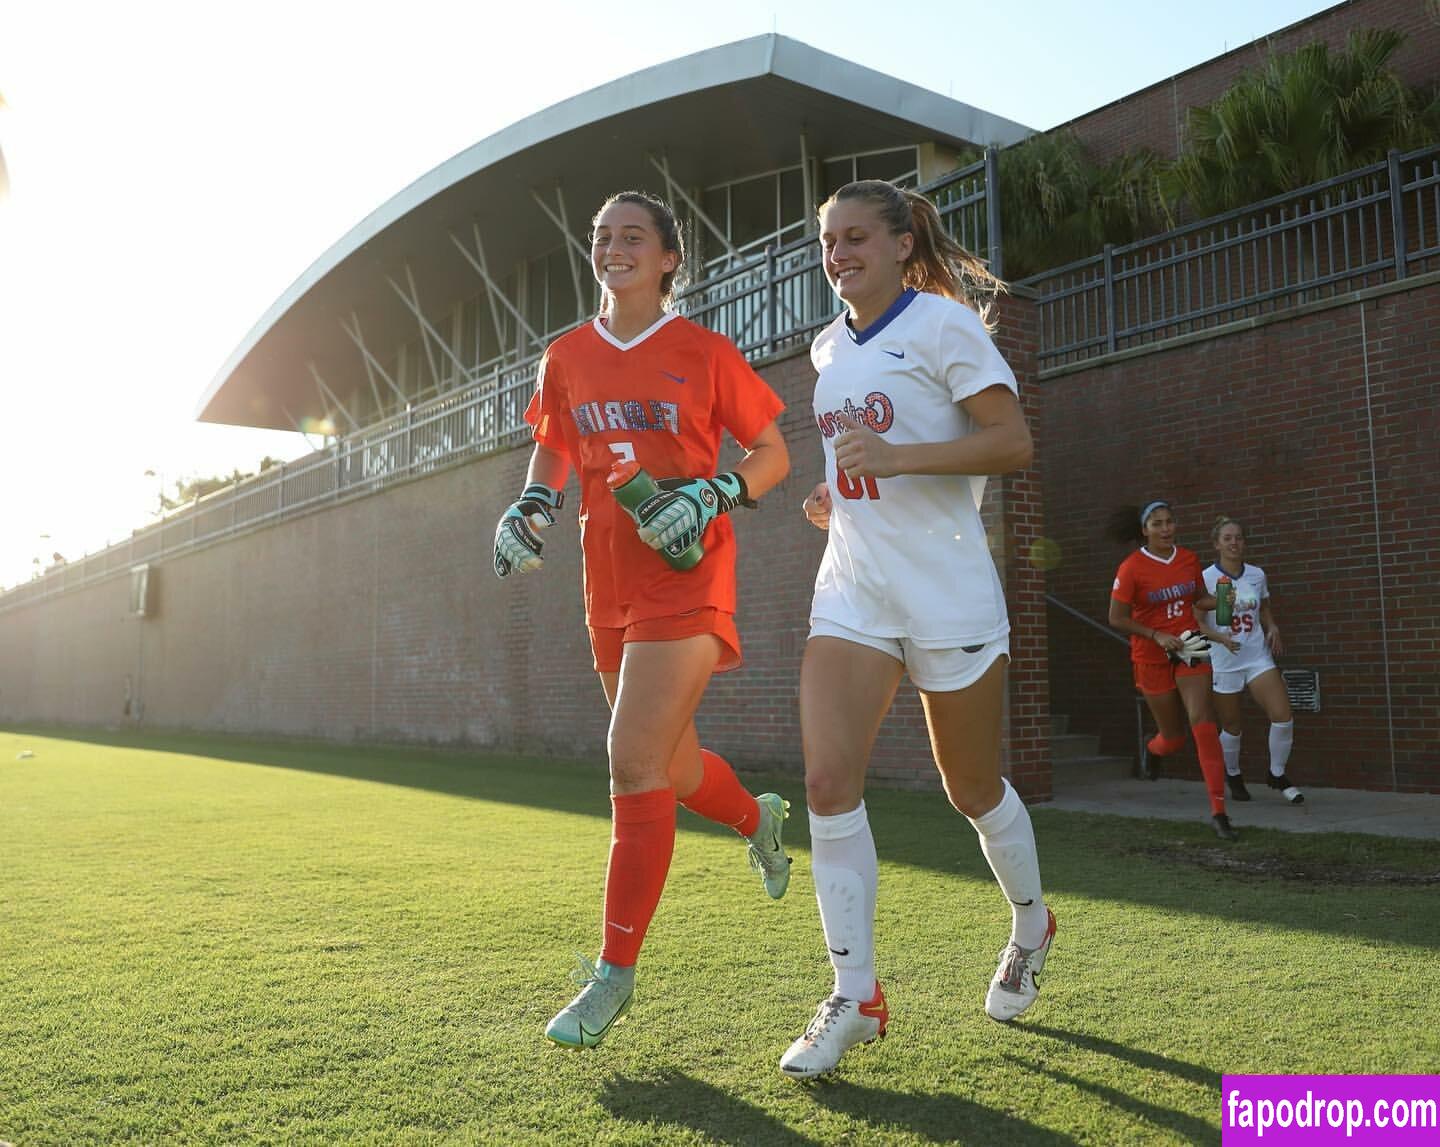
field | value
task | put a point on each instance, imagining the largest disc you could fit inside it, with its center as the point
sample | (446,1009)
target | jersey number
(867,487)
(626,450)
(1242,621)
(1175,609)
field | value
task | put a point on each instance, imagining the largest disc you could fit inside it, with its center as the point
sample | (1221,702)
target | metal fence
(1371,226)
(771,304)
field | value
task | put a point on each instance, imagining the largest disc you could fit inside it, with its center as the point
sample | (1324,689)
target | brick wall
(1154,117)
(1271,425)
(381,619)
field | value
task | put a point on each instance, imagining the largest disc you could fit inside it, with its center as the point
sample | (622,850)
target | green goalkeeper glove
(678,517)
(517,542)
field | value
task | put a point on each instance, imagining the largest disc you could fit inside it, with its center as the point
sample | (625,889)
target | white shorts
(933,670)
(1235,680)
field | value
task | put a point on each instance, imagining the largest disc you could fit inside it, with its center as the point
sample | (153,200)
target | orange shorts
(1152,677)
(608,645)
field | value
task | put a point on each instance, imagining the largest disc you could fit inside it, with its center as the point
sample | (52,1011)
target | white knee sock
(843,863)
(1282,736)
(1230,746)
(1008,842)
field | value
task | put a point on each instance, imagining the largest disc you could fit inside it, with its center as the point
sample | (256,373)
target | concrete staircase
(1076,759)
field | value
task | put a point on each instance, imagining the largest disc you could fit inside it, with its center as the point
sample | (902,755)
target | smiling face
(626,251)
(864,259)
(1160,531)
(1230,544)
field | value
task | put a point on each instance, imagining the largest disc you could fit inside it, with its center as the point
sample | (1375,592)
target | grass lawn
(207,939)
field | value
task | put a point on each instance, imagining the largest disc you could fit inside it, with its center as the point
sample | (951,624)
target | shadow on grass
(1082,854)
(673,1099)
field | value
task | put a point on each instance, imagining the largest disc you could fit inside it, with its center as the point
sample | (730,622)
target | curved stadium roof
(714,116)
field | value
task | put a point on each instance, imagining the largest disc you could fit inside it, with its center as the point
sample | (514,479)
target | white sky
(175,166)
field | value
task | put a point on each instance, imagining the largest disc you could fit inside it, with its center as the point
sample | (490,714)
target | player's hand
(817,507)
(1273,642)
(1193,647)
(1166,641)
(1224,639)
(861,453)
(678,518)
(517,537)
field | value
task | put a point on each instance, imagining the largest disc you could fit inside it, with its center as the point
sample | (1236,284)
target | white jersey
(907,556)
(1250,590)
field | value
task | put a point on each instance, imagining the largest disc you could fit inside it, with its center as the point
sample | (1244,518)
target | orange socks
(640,850)
(722,798)
(1212,762)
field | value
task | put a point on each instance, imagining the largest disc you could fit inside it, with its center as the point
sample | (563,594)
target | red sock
(1212,762)
(640,850)
(722,798)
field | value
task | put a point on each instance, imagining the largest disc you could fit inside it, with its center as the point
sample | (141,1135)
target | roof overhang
(716,115)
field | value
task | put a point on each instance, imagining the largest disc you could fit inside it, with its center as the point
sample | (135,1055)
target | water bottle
(633,487)
(1224,601)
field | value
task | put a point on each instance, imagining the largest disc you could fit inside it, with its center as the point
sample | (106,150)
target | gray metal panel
(715,115)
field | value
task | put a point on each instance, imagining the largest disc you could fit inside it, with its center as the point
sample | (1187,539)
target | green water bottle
(1224,601)
(633,487)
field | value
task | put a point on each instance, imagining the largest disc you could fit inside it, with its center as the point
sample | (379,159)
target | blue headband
(1150,508)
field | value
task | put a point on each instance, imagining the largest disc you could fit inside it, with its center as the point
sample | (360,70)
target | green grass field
(206,939)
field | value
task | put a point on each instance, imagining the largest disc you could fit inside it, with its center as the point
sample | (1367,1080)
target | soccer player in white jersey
(914,406)
(1256,640)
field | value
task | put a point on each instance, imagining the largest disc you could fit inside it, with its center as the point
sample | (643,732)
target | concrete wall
(1321,433)
(381,619)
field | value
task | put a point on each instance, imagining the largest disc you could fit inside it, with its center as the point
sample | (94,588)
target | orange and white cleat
(839,1025)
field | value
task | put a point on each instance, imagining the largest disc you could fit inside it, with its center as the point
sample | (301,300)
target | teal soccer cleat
(605,997)
(767,854)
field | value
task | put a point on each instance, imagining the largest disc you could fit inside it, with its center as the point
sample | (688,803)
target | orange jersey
(663,400)
(1160,594)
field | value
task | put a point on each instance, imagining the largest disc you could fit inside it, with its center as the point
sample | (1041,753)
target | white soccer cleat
(839,1025)
(1016,984)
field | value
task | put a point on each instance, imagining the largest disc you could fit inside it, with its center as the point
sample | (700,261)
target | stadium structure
(349,595)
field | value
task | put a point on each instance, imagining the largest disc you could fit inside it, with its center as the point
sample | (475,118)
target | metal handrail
(1141,751)
(1377,223)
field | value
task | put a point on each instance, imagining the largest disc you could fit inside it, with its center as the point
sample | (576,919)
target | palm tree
(1307,116)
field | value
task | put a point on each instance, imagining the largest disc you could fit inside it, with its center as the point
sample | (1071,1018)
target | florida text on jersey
(663,400)
(907,556)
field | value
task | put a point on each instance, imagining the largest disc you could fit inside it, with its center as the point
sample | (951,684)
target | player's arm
(999,444)
(681,517)
(517,535)
(1120,619)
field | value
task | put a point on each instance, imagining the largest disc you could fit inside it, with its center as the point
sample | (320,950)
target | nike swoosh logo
(894,353)
(680,378)
(622,927)
(1022,903)
(840,952)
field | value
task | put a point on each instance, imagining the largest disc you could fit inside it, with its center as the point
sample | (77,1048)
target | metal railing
(1374,225)
(770,304)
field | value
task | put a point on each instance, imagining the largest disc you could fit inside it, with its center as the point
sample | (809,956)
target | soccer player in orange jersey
(1156,592)
(643,384)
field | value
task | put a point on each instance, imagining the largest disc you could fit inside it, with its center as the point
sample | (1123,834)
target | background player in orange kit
(641,383)
(1155,594)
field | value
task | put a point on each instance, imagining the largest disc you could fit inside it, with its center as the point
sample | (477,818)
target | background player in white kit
(1248,663)
(914,406)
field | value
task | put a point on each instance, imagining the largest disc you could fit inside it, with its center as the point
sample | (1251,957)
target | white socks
(845,870)
(1230,746)
(1008,842)
(1282,737)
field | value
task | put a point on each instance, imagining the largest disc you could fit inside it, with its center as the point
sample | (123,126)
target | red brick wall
(1270,425)
(1154,117)
(381,619)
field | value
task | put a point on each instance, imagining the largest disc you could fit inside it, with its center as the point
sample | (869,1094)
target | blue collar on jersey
(1233,577)
(892,312)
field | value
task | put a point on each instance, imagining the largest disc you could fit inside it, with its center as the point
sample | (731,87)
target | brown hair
(666,226)
(937,263)
(1124,524)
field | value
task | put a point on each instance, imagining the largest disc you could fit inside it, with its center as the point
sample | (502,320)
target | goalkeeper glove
(677,517)
(1194,646)
(517,543)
